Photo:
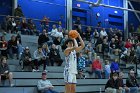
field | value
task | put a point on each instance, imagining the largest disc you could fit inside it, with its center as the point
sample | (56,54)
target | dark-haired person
(131,82)
(5,72)
(112,85)
(3,46)
(44,85)
(70,69)
(40,59)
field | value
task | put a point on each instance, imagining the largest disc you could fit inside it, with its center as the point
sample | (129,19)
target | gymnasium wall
(56,8)
(108,17)
(39,8)
(5,8)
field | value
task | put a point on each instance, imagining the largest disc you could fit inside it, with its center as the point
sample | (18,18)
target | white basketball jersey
(71,62)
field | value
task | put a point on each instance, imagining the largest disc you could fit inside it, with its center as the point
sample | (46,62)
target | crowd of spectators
(50,43)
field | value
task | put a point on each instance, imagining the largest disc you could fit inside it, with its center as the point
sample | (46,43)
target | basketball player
(70,69)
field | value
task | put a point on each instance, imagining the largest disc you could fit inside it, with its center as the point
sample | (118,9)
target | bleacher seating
(25,82)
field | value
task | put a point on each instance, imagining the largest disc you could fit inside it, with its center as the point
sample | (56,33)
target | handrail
(29,18)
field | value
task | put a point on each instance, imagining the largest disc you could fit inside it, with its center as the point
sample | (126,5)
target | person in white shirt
(107,69)
(103,32)
(44,85)
(70,69)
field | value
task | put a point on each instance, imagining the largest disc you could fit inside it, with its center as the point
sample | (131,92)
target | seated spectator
(95,35)
(46,51)
(26,58)
(105,47)
(98,44)
(54,56)
(114,47)
(19,44)
(97,67)
(5,72)
(32,27)
(57,42)
(81,62)
(54,31)
(24,27)
(13,30)
(112,85)
(89,51)
(121,83)
(63,42)
(107,69)
(44,85)
(138,52)
(138,29)
(128,44)
(103,33)
(131,82)
(3,46)
(88,33)
(40,59)
(12,47)
(115,66)
(45,23)
(43,38)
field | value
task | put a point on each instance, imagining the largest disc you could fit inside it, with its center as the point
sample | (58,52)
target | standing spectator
(43,38)
(54,56)
(115,66)
(3,46)
(40,59)
(107,69)
(5,72)
(97,67)
(70,69)
(112,85)
(131,82)
(26,58)
(12,47)
(44,85)
(81,63)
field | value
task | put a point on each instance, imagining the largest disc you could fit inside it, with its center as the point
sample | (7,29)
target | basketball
(73,34)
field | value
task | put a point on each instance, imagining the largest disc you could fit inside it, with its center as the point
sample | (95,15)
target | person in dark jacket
(4,71)
(55,56)
(43,38)
(112,85)
(131,82)
(26,58)
(12,47)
